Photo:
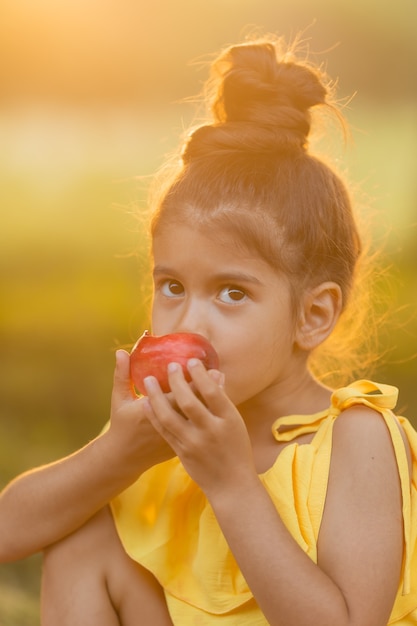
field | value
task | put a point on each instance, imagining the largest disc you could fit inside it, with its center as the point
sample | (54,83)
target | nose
(194,318)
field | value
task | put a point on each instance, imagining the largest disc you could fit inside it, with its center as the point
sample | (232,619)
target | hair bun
(260,101)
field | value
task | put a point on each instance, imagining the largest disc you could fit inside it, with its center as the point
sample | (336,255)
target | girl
(254,495)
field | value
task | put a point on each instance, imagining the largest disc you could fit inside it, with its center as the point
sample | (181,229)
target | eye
(232,295)
(172,289)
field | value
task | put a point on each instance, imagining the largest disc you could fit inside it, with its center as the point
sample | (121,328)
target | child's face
(233,298)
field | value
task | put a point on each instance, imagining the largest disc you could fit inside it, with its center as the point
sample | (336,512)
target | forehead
(246,230)
(192,250)
(191,242)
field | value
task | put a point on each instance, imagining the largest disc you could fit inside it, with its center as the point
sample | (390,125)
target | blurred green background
(91,100)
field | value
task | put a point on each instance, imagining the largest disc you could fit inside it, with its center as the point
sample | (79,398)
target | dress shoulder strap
(367,392)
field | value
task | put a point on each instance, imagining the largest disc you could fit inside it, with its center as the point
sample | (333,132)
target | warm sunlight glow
(92,100)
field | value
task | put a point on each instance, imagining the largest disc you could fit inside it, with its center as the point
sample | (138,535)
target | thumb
(122,385)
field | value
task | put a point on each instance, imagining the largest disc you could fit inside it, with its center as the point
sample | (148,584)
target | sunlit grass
(17,607)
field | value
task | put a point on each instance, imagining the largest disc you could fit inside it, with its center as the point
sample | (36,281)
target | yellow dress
(166,524)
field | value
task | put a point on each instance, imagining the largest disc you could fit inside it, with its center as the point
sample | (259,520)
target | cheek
(257,359)
(242,363)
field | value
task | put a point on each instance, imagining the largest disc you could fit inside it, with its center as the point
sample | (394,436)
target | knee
(83,548)
(92,561)
(74,589)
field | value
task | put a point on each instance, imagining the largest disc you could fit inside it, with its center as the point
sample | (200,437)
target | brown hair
(250,170)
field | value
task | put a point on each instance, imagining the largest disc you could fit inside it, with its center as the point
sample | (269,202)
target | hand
(204,428)
(137,442)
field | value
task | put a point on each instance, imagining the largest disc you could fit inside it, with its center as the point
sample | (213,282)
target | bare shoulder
(360,417)
(363,458)
(361,436)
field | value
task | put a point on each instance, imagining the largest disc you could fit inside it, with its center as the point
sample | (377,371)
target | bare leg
(88,579)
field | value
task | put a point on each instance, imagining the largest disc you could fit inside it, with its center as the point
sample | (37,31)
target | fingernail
(173,367)
(218,377)
(150,383)
(192,363)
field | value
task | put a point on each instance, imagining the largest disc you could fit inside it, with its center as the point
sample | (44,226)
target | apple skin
(151,354)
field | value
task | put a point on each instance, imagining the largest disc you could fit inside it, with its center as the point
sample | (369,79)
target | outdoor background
(91,101)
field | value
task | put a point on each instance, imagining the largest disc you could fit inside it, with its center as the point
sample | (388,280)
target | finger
(122,385)
(159,411)
(217,376)
(187,397)
(210,386)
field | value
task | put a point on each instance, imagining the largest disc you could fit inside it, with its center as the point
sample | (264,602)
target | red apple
(151,354)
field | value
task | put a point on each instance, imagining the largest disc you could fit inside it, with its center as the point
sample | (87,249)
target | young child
(254,495)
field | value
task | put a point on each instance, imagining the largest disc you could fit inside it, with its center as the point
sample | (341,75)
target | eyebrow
(231,277)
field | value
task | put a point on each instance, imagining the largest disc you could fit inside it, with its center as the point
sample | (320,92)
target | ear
(321,308)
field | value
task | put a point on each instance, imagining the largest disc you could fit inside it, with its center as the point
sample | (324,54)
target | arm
(360,544)
(46,504)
